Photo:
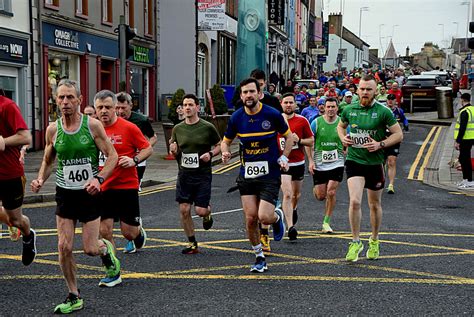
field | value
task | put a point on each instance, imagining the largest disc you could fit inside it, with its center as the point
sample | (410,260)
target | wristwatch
(382,144)
(100,179)
(136,160)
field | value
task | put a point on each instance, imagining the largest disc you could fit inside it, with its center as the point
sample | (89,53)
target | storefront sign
(276,12)
(211,15)
(141,54)
(68,39)
(13,50)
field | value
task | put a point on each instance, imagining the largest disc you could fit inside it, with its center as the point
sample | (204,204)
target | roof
(391,52)
(422,77)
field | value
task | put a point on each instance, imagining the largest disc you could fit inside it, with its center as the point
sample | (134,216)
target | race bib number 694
(256,169)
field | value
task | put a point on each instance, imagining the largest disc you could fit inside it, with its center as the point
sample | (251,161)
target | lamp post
(380,40)
(360,28)
(468,4)
(442,32)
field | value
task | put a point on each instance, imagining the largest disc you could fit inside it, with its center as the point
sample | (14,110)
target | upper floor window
(232,8)
(6,7)
(82,8)
(52,4)
(148,4)
(130,9)
(107,12)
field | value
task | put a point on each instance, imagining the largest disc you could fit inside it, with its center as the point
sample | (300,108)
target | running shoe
(326,228)
(295,216)
(15,233)
(467,185)
(192,248)
(292,233)
(72,303)
(279,226)
(207,222)
(355,248)
(140,241)
(110,261)
(265,241)
(260,265)
(461,182)
(390,189)
(130,247)
(110,281)
(29,248)
(373,251)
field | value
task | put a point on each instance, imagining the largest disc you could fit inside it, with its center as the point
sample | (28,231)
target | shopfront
(141,80)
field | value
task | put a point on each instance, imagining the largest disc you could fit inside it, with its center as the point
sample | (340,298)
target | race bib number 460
(190,160)
(360,139)
(77,175)
(256,169)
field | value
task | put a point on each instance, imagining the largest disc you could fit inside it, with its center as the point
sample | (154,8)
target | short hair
(193,97)
(250,80)
(124,97)
(89,106)
(104,94)
(369,77)
(258,74)
(331,99)
(70,84)
(288,94)
(391,97)
(466,96)
(304,86)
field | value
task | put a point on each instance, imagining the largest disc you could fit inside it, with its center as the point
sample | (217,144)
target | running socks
(327,219)
(258,250)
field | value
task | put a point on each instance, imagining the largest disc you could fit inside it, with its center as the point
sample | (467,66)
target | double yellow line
(436,130)
(226,168)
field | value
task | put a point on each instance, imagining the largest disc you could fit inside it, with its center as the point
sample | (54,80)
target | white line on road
(221,212)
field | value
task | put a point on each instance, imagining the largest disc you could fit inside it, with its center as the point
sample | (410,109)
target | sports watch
(100,179)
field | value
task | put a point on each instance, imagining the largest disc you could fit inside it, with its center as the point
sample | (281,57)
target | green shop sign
(141,54)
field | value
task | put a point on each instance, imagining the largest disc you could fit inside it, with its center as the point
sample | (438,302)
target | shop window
(107,12)
(6,7)
(60,66)
(149,17)
(52,4)
(106,74)
(227,51)
(139,89)
(82,8)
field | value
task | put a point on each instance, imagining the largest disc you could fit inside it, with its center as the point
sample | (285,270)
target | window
(131,13)
(6,7)
(107,12)
(343,52)
(232,8)
(227,51)
(149,17)
(82,8)
(52,4)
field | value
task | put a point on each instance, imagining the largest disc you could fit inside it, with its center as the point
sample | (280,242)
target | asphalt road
(425,266)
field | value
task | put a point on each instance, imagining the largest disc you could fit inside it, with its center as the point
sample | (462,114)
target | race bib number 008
(359,139)
(77,175)
(256,169)
(329,156)
(190,160)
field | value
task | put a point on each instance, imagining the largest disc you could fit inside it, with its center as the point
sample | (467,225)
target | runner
(367,121)
(391,153)
(14,134)
(292,180)
(194,156)
(312,111)
(326,159)
(119,193)
(76,140)
(124,110)
(257,126)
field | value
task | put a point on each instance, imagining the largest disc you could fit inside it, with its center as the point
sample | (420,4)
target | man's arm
(21,137)
(342,132)
(48,159)
(105,146)
(395,137)
(225,150)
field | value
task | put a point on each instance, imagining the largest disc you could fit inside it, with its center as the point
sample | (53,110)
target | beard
(366,101)
(254,103)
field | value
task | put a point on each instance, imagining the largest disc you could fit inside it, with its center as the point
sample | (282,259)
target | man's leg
(188,227)
(250,206)
(287,203)
(355,185)
(66,229)
(465,159)
(392,168)
(107,229)
(375,204)
(17,219)
(296,185)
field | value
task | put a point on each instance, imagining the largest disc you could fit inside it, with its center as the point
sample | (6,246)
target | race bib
(77,175)
(190,160)
(102,159)
(256,169)
(330,156)
(359,139)
(282,144)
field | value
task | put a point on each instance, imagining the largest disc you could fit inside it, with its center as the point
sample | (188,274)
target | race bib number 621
(256,169)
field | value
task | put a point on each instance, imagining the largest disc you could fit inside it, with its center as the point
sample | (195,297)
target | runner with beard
(368,121)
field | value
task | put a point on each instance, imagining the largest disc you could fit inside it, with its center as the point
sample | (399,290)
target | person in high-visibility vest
(464,137)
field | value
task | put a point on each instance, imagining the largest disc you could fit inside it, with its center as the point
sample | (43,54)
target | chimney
(407,51)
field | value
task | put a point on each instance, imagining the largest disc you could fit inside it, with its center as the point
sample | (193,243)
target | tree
(218,100)
(176,100)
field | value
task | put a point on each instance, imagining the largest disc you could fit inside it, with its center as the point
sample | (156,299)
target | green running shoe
(373,251)
(110,261)
(72,303)
(326,228)
(354,250)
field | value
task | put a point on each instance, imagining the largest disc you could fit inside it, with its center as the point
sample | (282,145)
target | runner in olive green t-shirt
(368,121)
(191,144)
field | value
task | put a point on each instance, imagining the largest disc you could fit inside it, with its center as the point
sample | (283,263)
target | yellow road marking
(420,154)
(227,168)
(421,173)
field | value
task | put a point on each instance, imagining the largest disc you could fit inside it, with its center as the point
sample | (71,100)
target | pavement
(160,169)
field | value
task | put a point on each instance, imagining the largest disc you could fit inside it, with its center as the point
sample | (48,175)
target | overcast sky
(410,22)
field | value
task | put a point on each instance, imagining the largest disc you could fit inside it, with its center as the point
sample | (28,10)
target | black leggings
(465,158)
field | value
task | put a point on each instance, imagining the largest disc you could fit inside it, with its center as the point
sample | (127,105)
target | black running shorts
(392,151)
(120,204)
(323,177)
(296,172)
(194,188)
(265,189)
(373,174)
(12,192)
(77,205)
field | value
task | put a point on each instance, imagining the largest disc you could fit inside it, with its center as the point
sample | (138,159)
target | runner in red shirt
(397,92)
(119,199)
(292,180)
(14,134)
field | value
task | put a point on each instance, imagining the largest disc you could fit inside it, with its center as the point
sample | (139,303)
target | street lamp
(360,17)
(468,4)
(457,28)
(393,29)
(380,40)
(442,32)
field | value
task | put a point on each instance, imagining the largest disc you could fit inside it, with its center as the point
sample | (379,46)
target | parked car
(443,76)
(307,81)
(423,90)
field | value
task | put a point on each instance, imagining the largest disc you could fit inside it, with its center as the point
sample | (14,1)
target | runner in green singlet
(368,121)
